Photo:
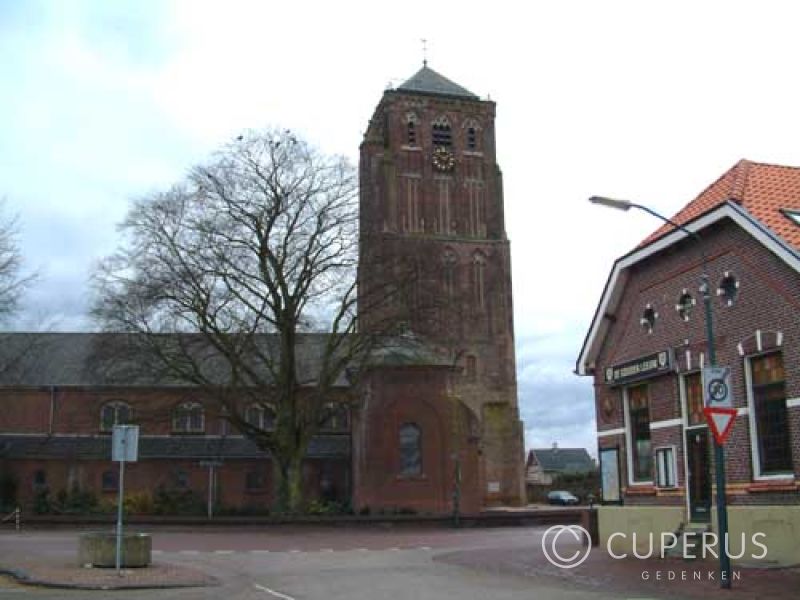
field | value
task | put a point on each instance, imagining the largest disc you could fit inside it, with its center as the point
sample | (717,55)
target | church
(432,428)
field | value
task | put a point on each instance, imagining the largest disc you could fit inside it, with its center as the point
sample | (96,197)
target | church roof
(428,81)
(771,193)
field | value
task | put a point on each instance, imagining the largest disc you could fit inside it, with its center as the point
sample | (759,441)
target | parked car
(561,497)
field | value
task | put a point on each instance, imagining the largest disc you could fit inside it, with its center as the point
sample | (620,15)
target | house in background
(546,465)
(646,348)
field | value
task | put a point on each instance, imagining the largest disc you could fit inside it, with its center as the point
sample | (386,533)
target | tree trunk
(290,485)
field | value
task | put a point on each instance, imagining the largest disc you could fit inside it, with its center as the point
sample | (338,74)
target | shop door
(699,485)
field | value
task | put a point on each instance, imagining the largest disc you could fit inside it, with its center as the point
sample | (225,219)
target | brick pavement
(664,578)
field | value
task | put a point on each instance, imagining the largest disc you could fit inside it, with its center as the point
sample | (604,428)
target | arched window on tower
(410,449)
(479,274)
(472,135)
(411,129)
(442,135)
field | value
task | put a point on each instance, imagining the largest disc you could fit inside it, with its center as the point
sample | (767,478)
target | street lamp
(719,450)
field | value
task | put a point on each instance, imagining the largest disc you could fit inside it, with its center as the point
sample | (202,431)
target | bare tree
(253,250)
(13,281)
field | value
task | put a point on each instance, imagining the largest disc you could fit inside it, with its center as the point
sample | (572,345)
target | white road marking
(295,551)
(424,547)
(190,552)
(259,551)
(394,549)
(326,550)
(363,549)
(273,592)
(223,551)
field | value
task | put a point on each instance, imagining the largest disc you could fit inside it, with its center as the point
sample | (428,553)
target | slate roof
(174,447)
(428,81)
(563,460)
(108,359)
(763,190)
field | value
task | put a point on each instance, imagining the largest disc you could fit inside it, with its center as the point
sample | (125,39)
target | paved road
(303,563)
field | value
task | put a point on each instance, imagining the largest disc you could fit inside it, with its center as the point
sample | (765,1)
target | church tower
(433,241)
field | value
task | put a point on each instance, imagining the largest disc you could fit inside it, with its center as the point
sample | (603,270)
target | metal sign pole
(120,504)
(719,451)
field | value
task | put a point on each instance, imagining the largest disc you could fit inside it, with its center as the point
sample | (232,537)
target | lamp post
(719,450)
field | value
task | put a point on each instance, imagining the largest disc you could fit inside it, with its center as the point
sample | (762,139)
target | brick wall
(768,301)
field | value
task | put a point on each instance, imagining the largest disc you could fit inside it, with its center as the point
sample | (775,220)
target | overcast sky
(104,101)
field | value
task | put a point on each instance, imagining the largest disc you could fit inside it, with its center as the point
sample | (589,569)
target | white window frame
(629,438)
(183,411)
(115,405)
(755,454)
(673,463)
(687,429)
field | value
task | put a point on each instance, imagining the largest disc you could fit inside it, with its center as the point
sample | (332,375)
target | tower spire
(424,52)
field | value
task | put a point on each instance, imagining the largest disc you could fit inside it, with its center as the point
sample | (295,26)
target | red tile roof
(761,189)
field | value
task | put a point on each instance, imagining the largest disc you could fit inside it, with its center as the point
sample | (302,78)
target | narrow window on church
(472,368)
(410,450)
(472,139)
(411,129)
(442,135)
(412,134)
(479,265)
(449,274)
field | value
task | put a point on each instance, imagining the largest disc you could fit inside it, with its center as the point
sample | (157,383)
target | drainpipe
(52,410)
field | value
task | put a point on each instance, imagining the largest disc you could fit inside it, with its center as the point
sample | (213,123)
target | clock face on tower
(443,159)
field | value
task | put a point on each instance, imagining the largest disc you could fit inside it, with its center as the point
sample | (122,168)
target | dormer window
(442,135)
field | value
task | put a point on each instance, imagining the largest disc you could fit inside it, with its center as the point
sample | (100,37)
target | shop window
(771,418)
(666,468)
(410,450)
(728,289)
(109,481)
(693,387)
(639,434)
(685,305)
(188,418)
(115,413)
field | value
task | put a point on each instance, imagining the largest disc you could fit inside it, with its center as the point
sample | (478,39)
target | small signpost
(718,402)
(124,448)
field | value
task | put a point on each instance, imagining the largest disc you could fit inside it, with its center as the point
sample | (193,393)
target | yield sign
(721,421)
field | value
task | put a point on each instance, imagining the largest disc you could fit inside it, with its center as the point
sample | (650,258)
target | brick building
(434,412)
(647,344)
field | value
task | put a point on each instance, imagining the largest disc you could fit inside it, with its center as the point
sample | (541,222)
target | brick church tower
(431,217)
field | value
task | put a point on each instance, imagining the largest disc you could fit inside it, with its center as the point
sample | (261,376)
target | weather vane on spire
(424,52)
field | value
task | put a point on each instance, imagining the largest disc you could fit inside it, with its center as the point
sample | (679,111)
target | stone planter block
(99,548)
